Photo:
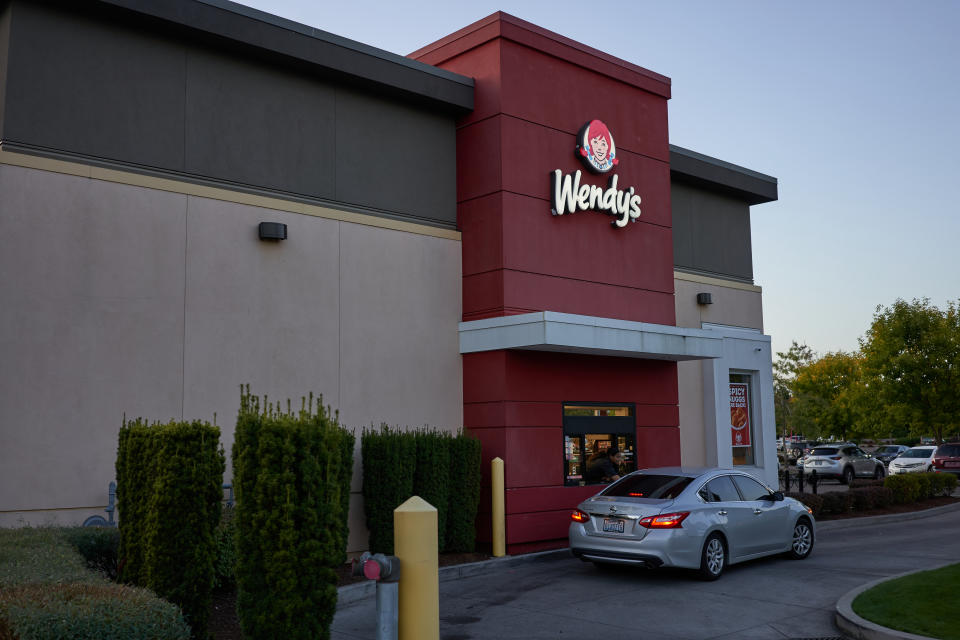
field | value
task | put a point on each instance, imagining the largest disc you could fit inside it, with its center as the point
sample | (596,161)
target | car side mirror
(776,496)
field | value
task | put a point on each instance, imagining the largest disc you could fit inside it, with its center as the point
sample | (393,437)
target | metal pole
(415,544)
(387,610)
(498,513)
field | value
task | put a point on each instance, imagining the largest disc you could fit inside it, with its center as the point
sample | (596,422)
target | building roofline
(702,170)
(319,49)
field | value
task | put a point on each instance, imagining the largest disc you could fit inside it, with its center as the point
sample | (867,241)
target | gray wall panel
(711,233)
(256,125)
(86,87)
(394,157)
(125,90)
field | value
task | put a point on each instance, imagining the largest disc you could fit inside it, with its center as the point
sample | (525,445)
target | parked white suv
(914,460)
(843,462)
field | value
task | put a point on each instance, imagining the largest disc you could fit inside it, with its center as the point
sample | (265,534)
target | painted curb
(352,593)
(861,629)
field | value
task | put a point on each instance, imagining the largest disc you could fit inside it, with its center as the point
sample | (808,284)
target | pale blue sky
(852,105)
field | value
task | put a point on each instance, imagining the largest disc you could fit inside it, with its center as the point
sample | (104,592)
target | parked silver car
(702,519)
(843,462)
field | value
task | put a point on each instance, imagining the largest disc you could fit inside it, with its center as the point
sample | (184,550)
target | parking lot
(556,596)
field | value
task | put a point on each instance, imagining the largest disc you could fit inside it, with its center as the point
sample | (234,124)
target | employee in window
(604,466)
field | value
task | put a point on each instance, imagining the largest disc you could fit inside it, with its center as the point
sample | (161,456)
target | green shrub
(812,501)
(864,498)
(924,485)
(389,464)
(47,591)
(464,494)
(169,506)
(290,477)
(98,546)
(883,497)
(948,483)
(224,570)
(905,487)
(100,611)
(837,503)
(431,476)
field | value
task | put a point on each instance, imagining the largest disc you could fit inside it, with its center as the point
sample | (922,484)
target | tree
(829,396)
(912,357)
(785,370)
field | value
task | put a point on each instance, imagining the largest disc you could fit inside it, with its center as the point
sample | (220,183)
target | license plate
(951,463)
(818,462)
(613,526)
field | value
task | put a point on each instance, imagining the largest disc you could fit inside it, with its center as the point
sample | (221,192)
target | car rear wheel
(802,543)
(713,558)
(847,477)
(878,473)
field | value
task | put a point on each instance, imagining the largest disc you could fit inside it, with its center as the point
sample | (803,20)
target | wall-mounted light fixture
(704,298)
(273,231)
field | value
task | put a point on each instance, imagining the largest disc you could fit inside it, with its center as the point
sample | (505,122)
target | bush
(98,546)
(224,570)
(389,463)
(431,476)
(46,591)
(464,494)
(837,503)
(169,508)
(905,487)
(290,476)
(812,501)
(883,497)
(924,485)
(948,483)
(104,611)
(863,498)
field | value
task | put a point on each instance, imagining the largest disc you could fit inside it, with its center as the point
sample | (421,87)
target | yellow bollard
(499,519)
(415,544)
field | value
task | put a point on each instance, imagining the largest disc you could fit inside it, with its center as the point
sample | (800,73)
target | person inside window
(604,466)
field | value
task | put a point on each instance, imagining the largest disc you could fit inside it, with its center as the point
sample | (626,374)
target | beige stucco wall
(734,304)
(123,299)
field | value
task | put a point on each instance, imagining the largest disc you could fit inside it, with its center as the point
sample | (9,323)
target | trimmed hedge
(464,494)
(812,501)
(169,479)
(98,546)
(442,469)
(291,471)
(224,570)
(47,592)
(905,487)
(389,464)
(837,503)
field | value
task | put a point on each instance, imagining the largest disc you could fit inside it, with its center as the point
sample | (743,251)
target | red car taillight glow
(579,516)
(836,457)
(664,521)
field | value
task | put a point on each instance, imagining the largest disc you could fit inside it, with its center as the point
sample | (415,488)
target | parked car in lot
(701,519)
(843,462)
(913,460)
(946,459)
(888,452)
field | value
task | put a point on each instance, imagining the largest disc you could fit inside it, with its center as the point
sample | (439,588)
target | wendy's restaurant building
(492,233)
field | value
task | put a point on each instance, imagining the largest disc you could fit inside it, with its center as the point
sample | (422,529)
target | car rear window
(824,451)
(917,453)
(887,450)
(949,451)
(663,487)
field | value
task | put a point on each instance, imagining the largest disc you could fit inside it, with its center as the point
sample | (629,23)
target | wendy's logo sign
(596,150)
(595,147)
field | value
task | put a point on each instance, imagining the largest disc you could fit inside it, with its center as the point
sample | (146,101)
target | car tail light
(579,516)
(836,457)
(664,521)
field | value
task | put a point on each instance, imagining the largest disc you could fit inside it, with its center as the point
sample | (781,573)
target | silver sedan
(701,519)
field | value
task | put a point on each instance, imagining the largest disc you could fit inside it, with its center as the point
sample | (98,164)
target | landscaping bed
(914,603)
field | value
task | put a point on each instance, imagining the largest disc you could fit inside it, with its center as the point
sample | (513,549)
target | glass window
(720,490)
(649,486)
(590,432)
(750,489)
(824,451)
(949,450)
(917,453)
(741,418)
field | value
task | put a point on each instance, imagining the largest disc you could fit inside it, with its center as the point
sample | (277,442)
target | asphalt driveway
(556,596)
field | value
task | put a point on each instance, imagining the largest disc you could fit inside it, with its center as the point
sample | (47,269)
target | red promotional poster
(739,414)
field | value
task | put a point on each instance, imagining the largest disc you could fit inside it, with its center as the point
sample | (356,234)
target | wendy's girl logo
(595,147)
(596,150)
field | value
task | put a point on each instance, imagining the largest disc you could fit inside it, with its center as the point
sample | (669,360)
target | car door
(769,527)
(863,463)
(734,515)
